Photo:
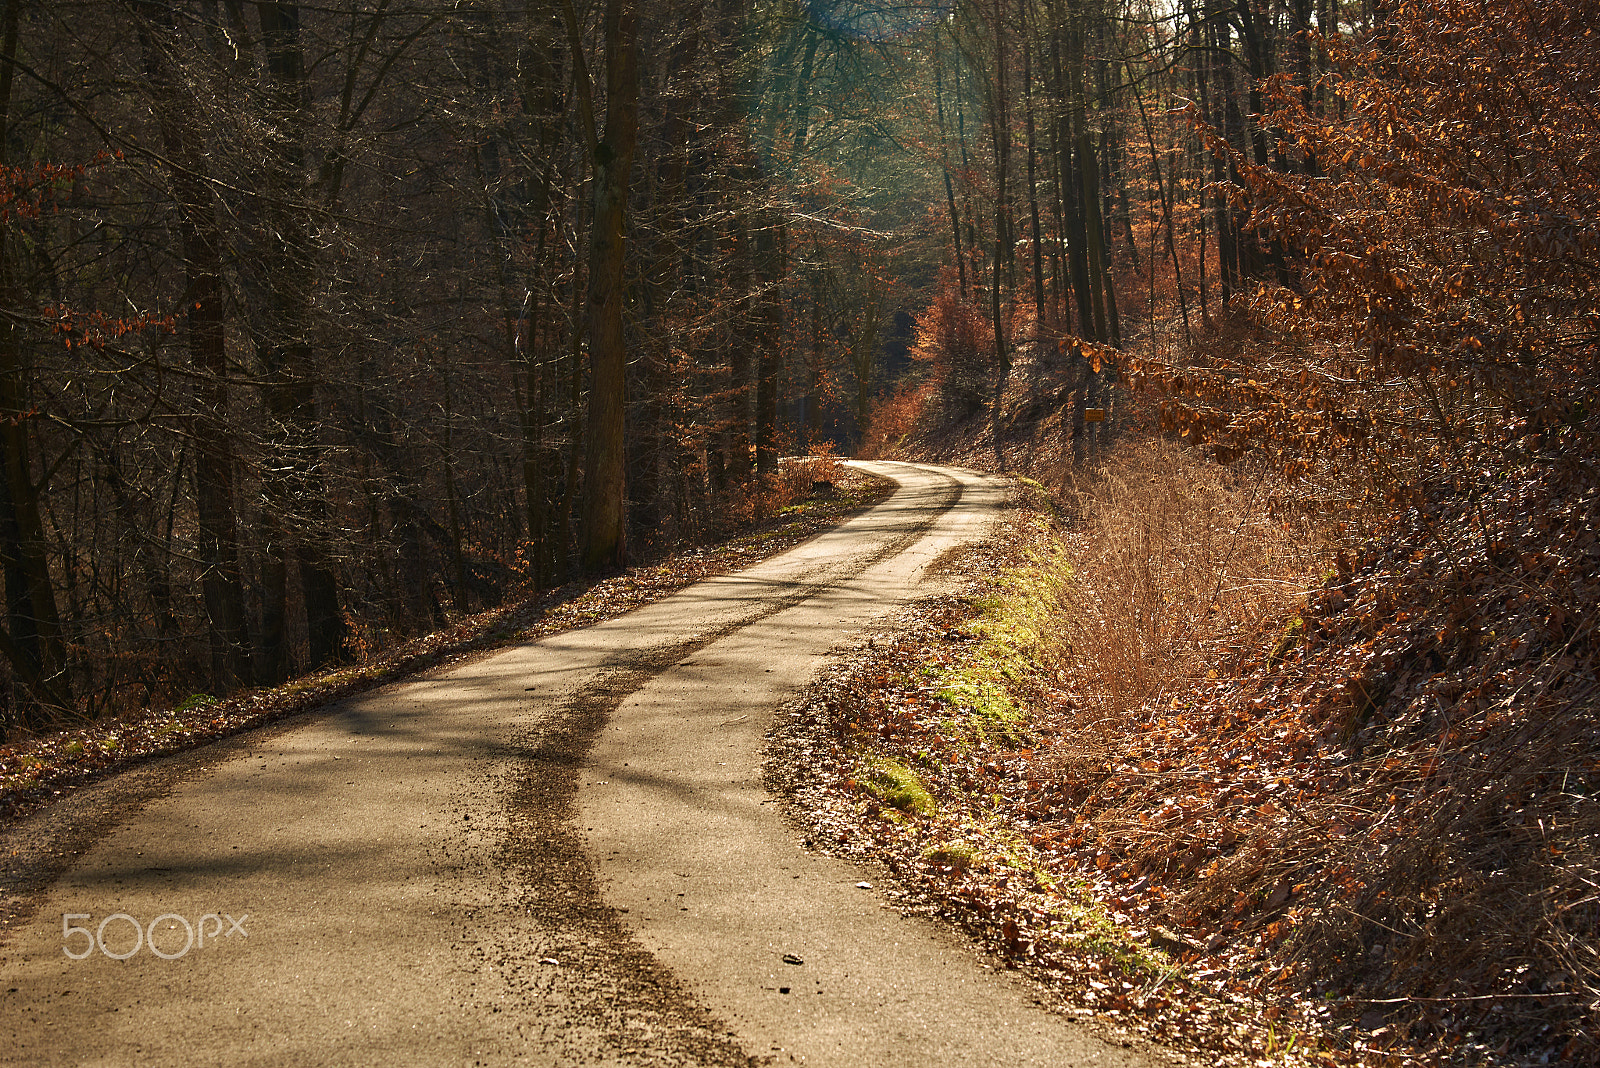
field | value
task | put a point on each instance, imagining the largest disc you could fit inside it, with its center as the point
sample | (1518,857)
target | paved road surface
(558,854)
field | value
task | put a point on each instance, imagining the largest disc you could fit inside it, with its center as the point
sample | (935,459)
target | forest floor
(1263,790)
(38,771)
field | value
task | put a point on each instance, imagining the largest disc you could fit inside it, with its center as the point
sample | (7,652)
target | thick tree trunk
(604,490)
(1069,180)
(1105,288)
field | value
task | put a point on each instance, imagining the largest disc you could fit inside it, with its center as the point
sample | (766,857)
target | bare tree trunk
(741,368)
(286,350)
(1033,181)
(949,186)
(1068,72)
(1005,249)
(813,399)
(650,452)
(769,343)
(604,529)
(1094,247)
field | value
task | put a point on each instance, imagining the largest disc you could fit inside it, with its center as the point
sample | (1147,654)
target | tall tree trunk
(569,487)
(813,399)
(1088,172)
(1105,286)
(286,350)
(1216,115)
(611,159)
(1070,124)
(769,343)
(650,453)
(1033,180)
(949,186)
(543,103)
(1254,31)
(1005,248)
(460,596)
(741,368)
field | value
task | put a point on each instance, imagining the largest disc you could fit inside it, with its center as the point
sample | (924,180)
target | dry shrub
(1394,796)
(765,496)
(798,476)
(892,419)
(1179,561)
(955,338)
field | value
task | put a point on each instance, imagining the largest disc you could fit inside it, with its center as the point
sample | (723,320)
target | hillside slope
(1211,752)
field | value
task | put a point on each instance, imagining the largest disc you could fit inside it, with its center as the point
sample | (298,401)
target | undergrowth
(926,696)
(1387,798)
(1184,567)
(1011,629)
(1262,789)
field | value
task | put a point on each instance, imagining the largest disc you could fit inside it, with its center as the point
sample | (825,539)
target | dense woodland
(324,324)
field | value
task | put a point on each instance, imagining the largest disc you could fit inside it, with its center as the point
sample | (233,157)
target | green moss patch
(899,787)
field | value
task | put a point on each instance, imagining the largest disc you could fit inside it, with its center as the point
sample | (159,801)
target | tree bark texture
(605,462)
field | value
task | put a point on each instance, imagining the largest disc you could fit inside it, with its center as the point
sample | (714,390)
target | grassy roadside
(1255,795)
(931,750)
(36,772)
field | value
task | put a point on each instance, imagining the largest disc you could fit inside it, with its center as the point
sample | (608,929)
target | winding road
(558,854)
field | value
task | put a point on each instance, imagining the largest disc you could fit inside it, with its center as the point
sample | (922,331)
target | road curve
(558,854)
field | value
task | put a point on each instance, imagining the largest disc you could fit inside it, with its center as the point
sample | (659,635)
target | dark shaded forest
(326,325)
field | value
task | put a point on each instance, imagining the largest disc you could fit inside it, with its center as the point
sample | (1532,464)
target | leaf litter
(1371,838)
